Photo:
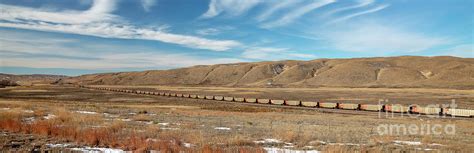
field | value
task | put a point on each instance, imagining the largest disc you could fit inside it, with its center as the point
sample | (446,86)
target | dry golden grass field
(50,117)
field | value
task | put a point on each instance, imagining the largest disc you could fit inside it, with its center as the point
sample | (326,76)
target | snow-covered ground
(164,124)
(165,128)
(407,142)
(111,115)
(28,111)
(281,150)
(187,145)
(270,141)
(222,128)
(98,150)
(87,149)
(58,145)
(86,112)
(49,116)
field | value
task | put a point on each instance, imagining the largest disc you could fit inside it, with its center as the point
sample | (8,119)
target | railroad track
(326,107)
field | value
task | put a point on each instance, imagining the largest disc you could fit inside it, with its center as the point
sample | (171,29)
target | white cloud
(147,4)
(230,7)
(297,13)
(276,6)
(379,39)
(347,17)
(100,11)
(24,43)
(360,3)
(97,21)
(53,52)
(270,53)
(135,60)
(107,30)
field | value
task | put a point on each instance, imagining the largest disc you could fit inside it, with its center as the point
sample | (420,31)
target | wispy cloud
(100,11)
(229,7)
(120,61)
(380,39)
(147,4)
(297,13)
(97,21)
(272,53)
(347,17)
(276,6)
(108,30)
(360,3)
(20,43)
(214,30)
(51,52)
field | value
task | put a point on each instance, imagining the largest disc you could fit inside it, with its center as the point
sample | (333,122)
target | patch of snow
(86,112)
(98,150)
(49,116)
(268,141)
(288,145)
(132,113)
(222,128)
(344,144)
(425,149)
(110,115)
(58,145)
(169,128)
(28,111)
(436,144)
(280,150)
(164,124)
(188,145)
(318,142)
(125,119)
(407,142)
(152,114)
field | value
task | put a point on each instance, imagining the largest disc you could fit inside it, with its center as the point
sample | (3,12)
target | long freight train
(394,108)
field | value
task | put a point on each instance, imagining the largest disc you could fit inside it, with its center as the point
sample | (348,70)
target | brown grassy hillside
(405,71)
(30,79)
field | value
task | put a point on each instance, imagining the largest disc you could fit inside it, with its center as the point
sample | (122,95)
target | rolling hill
(390,72)
(30,79)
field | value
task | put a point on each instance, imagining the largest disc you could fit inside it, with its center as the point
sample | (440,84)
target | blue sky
(92,36)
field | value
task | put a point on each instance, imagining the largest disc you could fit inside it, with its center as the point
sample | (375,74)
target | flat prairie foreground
(67,118)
